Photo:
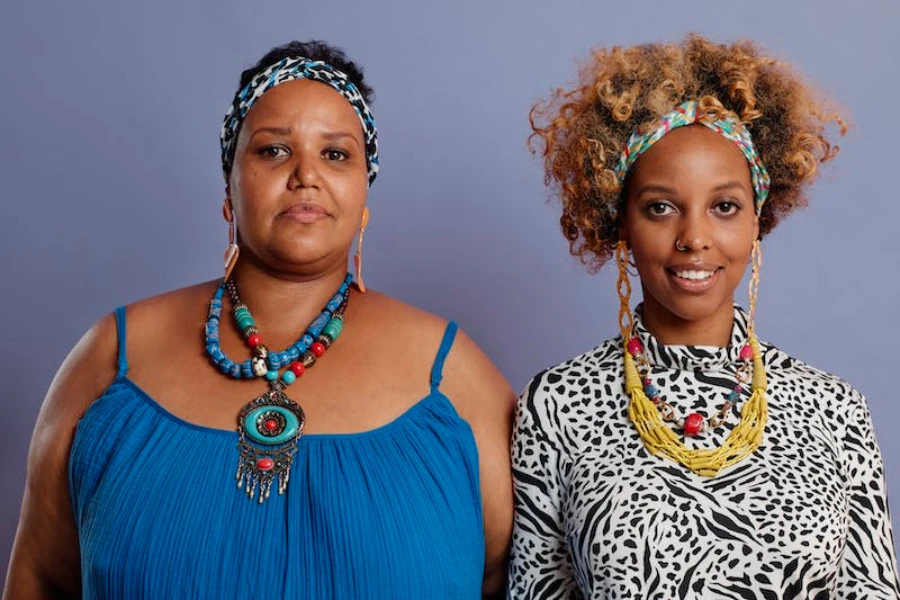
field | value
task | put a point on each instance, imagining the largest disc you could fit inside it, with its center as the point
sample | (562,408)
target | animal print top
(597,516)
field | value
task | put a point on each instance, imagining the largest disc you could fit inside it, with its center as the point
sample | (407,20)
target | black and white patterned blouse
(597,516)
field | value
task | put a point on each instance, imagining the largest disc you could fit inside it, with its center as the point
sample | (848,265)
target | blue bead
(651,391)
(219,356)
(293,353)
(272,375)
(235,371)
(316,326)
(732,396)
(306,341)
(289,377)
(247,371)
(211,349)
(274,361)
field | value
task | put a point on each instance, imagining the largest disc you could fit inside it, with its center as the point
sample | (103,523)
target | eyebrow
(273,130)
(662,189)
(330,136)
(336,135)
(728,185)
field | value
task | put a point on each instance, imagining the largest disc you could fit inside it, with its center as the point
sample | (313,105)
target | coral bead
(692,424)
(297,368)
(746,352)
(265,464)
(253,340)
(634,346)
(271,425)
(318,349)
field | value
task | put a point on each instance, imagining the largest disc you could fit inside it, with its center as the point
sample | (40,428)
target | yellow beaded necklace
(659,438)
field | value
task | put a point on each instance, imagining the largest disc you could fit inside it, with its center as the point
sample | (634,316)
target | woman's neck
(670,329)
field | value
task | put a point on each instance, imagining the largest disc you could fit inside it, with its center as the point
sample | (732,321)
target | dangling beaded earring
(756,263)
(623,286)
(357,258)
(233,250)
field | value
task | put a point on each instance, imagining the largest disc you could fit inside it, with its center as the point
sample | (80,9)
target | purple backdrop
(109,162)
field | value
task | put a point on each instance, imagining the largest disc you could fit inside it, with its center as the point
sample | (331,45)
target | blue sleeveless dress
(394,512)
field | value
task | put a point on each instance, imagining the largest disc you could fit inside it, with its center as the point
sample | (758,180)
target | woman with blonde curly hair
(686,458)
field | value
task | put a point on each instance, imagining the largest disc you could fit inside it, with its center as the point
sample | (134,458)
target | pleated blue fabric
(390,513)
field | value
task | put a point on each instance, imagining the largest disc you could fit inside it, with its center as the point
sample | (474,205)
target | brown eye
(659,209)
(728,207)
(273,151)
(335,155)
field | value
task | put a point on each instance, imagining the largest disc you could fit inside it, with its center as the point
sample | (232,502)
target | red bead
(692,424)
(318,349)
(297,368)
(253,340)
(634,346)
(265,464)
(746,352)
(646,382)
(271,425)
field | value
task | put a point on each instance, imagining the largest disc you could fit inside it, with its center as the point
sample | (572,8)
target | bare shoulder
(152,319)
(470,378)
(416,331)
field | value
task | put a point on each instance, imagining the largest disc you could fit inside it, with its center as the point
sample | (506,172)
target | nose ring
(681,246)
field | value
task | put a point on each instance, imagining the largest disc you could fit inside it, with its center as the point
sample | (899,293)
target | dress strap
(446,343)
(120,330)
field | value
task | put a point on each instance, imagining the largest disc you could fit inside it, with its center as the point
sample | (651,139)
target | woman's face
(693,185)
(299,180)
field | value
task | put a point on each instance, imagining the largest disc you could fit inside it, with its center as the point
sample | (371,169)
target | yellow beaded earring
(357,258)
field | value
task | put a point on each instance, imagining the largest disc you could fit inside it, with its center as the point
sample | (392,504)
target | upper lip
(306,207)
(693,266)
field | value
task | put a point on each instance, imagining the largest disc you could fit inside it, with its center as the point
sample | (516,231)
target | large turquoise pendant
(270,427)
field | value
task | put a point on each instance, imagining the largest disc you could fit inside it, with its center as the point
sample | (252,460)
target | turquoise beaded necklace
(271,425)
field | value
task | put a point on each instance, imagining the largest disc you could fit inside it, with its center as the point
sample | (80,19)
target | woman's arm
(485,400)
(45,560)
(869,566)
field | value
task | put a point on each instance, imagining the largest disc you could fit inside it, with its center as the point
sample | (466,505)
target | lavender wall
(109,163)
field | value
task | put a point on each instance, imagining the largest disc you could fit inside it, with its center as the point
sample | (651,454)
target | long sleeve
(868,567)
(540,567)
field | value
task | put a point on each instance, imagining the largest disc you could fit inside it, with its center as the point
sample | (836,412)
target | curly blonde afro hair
(581,132)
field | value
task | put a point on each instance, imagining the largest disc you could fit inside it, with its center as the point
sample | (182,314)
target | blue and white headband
(289,69)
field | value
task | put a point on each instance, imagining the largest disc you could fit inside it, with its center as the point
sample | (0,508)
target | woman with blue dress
(279,432)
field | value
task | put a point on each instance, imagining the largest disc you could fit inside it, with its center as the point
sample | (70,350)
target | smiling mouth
(693,274)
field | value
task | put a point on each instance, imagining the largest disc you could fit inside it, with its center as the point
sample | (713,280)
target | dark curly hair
(582,131)
(313,50)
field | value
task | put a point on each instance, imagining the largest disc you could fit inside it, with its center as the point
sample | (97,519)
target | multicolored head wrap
(689,113)
(289,69)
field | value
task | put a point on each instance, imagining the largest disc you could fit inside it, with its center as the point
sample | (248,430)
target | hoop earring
(756,261)
(623,288)
(357,258)
(233,250)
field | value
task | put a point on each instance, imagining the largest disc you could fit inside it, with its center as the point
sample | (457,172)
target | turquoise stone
(291,426)
(334,328)
(289,377)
